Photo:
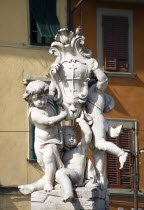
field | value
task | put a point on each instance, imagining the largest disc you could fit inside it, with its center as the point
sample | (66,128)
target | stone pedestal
(87,198)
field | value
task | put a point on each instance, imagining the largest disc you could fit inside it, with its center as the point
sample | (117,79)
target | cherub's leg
(99,129)
(65,177)
(102,144)
(30,188)
(114,132)
(39,154)
(98,157)
(50,166)
(110,147)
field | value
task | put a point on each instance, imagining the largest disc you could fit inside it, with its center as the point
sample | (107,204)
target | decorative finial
(78,30)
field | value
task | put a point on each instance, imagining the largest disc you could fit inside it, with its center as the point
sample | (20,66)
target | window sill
(32,160)
(120,74)
(32,78)
(123,192)
(25,46)
(38,47)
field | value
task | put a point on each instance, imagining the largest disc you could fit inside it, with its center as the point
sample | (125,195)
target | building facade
(114,32)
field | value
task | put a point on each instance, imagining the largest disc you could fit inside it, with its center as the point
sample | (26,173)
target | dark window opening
(115,43)
(120,178)
(44,23)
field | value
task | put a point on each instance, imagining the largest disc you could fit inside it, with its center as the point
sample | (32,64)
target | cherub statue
(70,75)
(97,104)
(48,141)
(74,158)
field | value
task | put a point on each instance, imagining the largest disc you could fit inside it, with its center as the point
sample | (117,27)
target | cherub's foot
(26,189)
(103,182)
(122,159)
(119,129)
(69,198)
(48,187)
(114,132)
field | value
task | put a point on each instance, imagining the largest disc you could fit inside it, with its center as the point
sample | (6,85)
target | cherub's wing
(109,103)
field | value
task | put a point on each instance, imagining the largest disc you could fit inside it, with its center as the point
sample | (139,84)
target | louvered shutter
(119,178)
(115,43)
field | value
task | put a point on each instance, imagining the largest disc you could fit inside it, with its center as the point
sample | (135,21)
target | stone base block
(87,198)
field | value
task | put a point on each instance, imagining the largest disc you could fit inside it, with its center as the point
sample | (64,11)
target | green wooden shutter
(115,43)
(44,13)
(33,155)
(51,18)
(120,178)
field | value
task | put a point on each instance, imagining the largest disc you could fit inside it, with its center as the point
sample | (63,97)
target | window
(115,41)
(44,23)
(128,141)
(32,155)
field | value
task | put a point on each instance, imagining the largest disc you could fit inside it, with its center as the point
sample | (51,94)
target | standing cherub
(97,104)
(48,142)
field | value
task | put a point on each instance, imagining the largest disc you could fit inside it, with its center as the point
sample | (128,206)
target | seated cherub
(48,141)
(74,159)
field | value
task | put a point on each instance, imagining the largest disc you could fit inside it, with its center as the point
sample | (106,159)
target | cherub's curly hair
(35,87)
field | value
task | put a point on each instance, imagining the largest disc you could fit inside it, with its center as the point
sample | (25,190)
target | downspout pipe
(136,171)
(69,15)
(77,5)
(70,12)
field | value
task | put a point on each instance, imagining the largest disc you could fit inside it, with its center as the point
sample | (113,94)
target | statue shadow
(77,205)
(118,106)
(34,164)
(130,83)
(123,81)
(11,198)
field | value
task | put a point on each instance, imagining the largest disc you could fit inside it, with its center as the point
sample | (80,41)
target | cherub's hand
(102,85)
(63,113)
(80,118)
(50,122)
(99,86)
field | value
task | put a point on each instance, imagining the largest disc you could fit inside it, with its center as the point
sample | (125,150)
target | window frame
(122,13)
(29,45)
(132,124)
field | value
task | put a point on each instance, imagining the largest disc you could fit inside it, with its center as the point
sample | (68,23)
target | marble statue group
(78,88)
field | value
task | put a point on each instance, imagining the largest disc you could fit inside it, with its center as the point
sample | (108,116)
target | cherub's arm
(86,131)
(102,82)
(52,89)
(42,119)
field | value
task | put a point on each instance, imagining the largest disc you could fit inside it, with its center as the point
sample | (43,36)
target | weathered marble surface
(87,198)
(78,87)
